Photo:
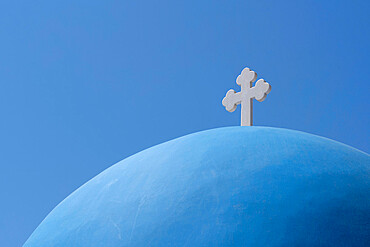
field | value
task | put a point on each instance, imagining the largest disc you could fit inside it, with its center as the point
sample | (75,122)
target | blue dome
(235,186)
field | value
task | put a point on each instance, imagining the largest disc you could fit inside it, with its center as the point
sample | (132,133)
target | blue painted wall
(237,186)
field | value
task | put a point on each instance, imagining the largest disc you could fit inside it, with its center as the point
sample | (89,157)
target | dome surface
(234,186)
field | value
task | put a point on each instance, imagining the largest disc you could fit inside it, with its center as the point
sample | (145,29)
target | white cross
(246,95)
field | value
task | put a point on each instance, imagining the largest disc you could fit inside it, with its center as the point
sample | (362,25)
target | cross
(246,95)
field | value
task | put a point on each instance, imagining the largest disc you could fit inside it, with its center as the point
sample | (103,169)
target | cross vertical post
(247,112)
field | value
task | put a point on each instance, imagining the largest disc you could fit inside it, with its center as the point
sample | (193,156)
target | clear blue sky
(84,85)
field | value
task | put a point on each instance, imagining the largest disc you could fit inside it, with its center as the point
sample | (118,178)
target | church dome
(234,186)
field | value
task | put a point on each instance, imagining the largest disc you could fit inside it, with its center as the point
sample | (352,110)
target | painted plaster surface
(235,186)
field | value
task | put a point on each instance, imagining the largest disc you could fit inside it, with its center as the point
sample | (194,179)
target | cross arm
(231,100)
(260,90)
